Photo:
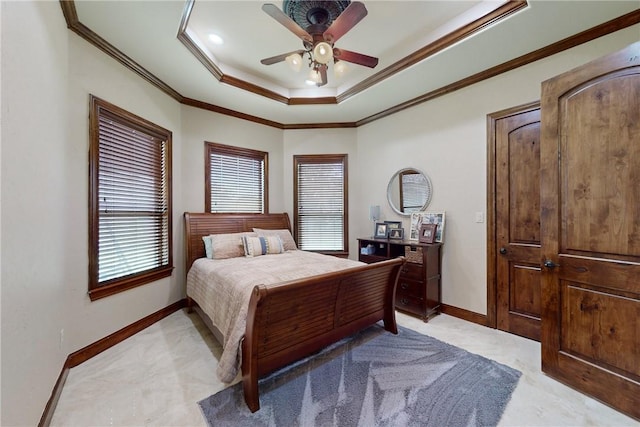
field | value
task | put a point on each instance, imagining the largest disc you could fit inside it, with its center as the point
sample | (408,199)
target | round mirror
(409,190)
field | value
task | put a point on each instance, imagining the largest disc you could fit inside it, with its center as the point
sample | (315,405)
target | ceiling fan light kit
(323,52)
(324,23)
(295,61)
(339,68)
(314,77)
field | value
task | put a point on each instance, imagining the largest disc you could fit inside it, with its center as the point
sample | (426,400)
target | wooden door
(590,192)
(517,219)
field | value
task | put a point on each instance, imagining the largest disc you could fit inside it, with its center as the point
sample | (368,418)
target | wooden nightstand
(419,286)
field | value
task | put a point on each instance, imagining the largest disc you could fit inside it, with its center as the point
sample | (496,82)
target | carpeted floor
(375,379)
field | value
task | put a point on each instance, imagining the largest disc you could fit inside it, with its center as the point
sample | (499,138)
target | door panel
(525,290)
(590,200)
(518,223)
(599,184)
(610,342)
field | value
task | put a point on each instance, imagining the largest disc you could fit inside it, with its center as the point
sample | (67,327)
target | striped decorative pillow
(287,239)
(256,246)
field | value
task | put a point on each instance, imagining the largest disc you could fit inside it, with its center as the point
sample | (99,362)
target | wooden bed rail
(292,320)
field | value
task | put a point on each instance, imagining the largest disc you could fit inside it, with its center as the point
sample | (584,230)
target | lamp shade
(323,53)
(314,77)
(339,68)
(295,61)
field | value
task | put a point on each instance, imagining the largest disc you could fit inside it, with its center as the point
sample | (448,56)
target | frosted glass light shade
(323,53)
(340,68)
(295,61)
(314,77)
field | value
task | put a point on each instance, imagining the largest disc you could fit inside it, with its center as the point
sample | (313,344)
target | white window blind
(129,201)
(414,192)
(320,219)
(133,205)
(236,181)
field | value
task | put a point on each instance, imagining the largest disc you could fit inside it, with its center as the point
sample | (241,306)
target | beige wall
(326,141)
(447,138)
(199,126)
(47,75)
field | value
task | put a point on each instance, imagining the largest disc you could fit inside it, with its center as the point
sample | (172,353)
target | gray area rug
(375,378)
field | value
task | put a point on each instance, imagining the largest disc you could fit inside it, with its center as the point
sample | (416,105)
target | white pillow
(222,246)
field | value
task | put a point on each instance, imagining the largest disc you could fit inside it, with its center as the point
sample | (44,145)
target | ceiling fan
(324,23)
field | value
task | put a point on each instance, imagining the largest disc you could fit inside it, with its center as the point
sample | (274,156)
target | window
(129,200)
(320,202)
(236,179)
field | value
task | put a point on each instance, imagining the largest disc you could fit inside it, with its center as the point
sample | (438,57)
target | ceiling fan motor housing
(315,16)
(319,24)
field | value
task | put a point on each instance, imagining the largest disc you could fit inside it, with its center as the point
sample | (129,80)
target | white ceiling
(146,32)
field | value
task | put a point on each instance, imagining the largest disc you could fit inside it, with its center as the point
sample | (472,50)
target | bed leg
(250,388)
(189,305)
(390,322)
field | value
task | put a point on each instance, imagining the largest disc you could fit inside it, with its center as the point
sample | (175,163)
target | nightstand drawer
(408,287)
(408,303)
(412,271)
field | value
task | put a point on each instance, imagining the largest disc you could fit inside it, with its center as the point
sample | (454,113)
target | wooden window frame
(98,108)
(319,159)
(211,147)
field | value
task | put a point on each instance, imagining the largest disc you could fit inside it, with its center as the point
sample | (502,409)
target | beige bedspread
(222,289)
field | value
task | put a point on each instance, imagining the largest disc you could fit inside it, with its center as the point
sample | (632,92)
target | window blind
(320,205)
(414,192)
(236,183)
(133,224)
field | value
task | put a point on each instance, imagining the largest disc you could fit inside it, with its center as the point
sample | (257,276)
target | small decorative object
(419,218)
(413,254)
(393,224)
(427,233)
(396,233)
(368,250)
(380,231)
(374,212)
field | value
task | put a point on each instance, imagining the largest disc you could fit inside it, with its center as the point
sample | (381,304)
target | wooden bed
(295,319)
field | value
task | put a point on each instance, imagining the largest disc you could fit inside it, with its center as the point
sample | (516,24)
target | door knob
(503,251)
(550,264)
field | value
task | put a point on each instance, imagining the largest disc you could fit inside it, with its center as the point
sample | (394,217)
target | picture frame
(391,225)
(396,233)
(380,231)
(427,233)
(418,218)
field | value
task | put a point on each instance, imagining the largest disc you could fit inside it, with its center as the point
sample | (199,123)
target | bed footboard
(295,319)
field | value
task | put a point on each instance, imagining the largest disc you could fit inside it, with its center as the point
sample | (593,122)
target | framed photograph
(419,218)
(393,224)
(380,232)
(396,233)
(427,233)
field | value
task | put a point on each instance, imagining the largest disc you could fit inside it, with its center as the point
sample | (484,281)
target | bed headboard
(203,224)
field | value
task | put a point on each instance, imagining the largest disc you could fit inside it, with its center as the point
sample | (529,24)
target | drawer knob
(404,301)
(404,285)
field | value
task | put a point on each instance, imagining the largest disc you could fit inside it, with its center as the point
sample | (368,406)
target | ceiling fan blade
(345,21)
(279,58)
(323,75)
(273,11)
(355,58)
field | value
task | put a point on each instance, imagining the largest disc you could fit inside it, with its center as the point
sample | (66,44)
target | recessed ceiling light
(215,39)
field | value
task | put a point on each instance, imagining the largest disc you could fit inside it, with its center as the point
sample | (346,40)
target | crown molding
(622,22)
